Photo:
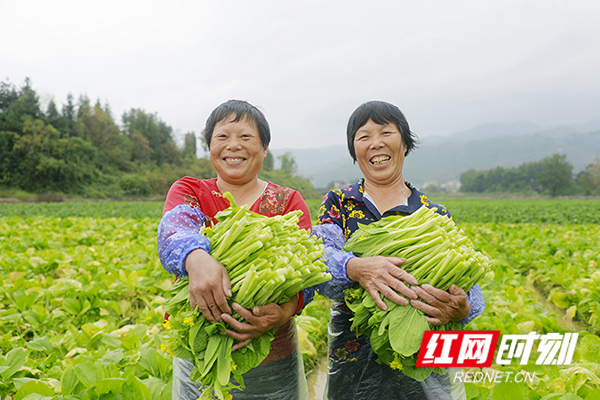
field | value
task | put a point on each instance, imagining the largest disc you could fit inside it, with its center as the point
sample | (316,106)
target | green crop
(437,253)
(268,260)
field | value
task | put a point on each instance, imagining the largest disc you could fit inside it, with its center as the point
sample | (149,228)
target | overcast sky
(448,65)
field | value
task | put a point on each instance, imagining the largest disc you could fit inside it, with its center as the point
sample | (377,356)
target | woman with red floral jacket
(238,136)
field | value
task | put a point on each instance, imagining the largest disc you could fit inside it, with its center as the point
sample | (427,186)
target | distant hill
(443,159)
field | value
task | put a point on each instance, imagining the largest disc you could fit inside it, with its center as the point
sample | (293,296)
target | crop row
(506,211)
(464,210)
(81,316)
(80,308)
(515,306)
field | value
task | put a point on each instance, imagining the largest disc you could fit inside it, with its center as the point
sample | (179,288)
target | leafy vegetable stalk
(268,260)
(437,253)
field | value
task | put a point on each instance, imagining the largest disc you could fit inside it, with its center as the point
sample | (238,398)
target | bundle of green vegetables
(437,253)
(268,260)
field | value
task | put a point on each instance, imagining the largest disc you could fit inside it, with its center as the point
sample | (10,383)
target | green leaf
(88,373)
(15,359)
(108,385)
(589,348)
(224,361)
(150,360)
(69,380)
(593,395)
(26,301)
(158,389)
(418,374)
(407,327)
(34,387)
(111,341)
(71,305)
(134,389)
(41,344)
(551,396)
(569,396)
(113,356)
(559,298)
(37,396)
(507,391)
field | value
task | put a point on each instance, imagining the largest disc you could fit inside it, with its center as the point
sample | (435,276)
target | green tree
(589,178)
(555,175)
(288,163)
(189,145)
(52,115)
(157,134)
(16,107)
(48,162)
(68,120)
(472,181)
(114,150)
(269,162)
(8,158)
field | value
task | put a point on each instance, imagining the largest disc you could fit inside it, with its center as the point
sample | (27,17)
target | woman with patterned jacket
(379,138)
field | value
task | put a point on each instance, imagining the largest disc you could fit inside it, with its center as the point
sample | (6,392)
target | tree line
(552,176)
(80,150)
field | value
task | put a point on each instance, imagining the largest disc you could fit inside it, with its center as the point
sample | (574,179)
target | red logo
(457,348)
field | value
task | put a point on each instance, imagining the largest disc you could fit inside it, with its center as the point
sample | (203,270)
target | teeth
(379,160)
(234,159)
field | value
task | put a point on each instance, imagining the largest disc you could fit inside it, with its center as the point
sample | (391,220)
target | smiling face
(236,151)
(380,152)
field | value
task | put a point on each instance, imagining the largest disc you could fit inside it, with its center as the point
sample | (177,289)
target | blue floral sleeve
(178,236)
(335,259)
(475,298)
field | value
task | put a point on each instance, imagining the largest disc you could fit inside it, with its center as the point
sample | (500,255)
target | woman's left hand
(259,320)
(441,306)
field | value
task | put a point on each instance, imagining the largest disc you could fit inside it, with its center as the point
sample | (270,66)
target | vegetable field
(81,292)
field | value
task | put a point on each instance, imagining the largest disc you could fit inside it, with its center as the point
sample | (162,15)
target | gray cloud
(447,65)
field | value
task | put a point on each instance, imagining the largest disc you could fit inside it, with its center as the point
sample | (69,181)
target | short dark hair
(241,110)
(381,113)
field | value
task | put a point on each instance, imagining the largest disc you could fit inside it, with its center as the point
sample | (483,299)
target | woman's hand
(442,306)
(259,321)
(381,275)
(209,285)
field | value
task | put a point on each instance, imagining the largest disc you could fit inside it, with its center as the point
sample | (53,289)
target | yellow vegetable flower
(233,366)
(189,321)
(166,349)
(167,324)
(395,365)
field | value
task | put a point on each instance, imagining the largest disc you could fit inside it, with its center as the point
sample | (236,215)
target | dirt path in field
(317,380)
(573,326)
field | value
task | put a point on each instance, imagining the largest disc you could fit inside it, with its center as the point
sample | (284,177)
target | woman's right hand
(209,285)
(382,275)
